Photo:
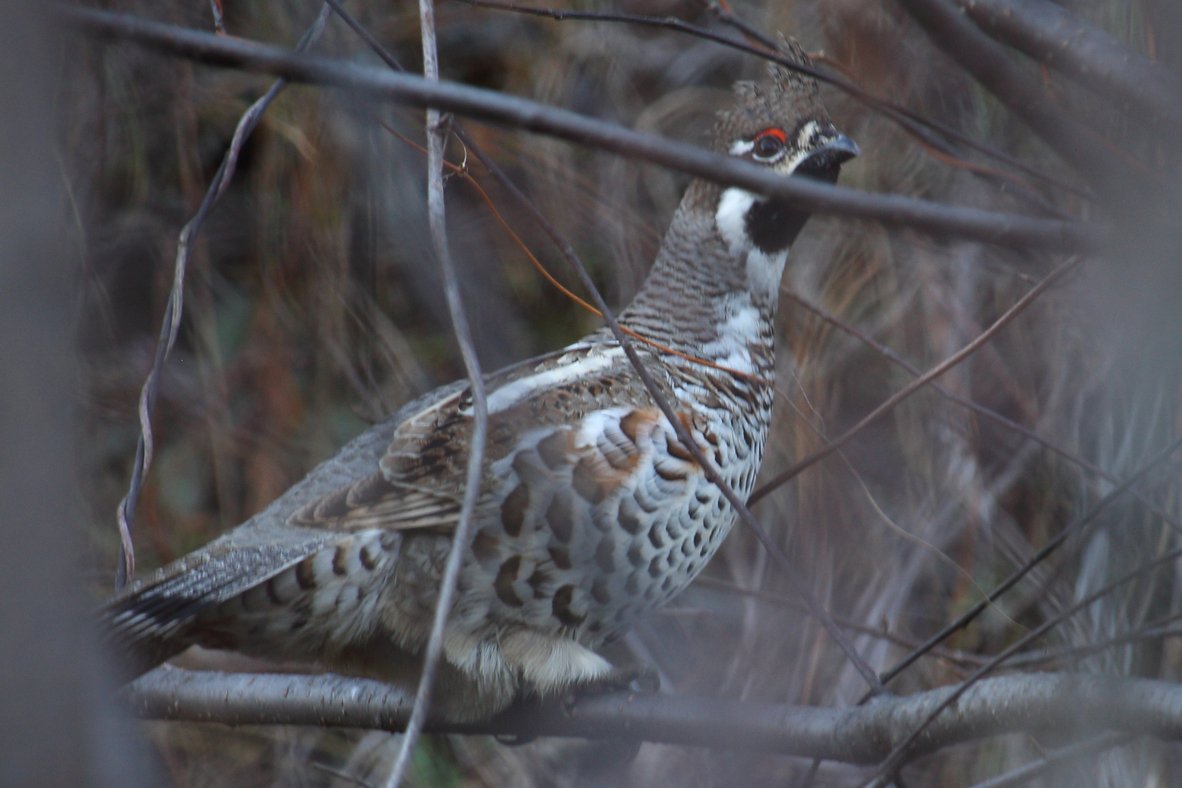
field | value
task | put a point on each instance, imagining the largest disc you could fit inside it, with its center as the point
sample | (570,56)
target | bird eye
(769,144)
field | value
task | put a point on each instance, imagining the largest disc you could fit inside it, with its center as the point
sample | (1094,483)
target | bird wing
(404,475)
(418,483)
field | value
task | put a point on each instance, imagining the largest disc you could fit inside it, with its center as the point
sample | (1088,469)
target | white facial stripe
(806,145)
(731,218)
(518,391)
(804,137)
(742,147)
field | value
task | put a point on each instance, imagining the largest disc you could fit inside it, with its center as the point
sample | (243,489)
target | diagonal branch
(927,131)
(918,383)
(436,139)
(1068,43)
(487,105)
(993,66)
(986,412)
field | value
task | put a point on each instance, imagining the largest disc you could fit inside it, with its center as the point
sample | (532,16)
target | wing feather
(419,481)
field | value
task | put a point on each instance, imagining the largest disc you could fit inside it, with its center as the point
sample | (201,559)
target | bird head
(777,123)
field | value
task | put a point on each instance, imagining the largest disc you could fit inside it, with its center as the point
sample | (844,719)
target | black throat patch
(772,225)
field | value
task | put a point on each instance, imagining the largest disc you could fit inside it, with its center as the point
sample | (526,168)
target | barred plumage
(591,511)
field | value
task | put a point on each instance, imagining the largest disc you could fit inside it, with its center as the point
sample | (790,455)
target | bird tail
(158,617)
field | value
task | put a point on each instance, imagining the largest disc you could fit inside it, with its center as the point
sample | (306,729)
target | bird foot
(638,679)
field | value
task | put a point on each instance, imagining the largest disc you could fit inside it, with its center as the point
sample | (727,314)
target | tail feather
(153,620)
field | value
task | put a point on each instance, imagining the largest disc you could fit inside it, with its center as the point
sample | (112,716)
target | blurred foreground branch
(1068,43)
(989,226)
(994,67)
(1073,705)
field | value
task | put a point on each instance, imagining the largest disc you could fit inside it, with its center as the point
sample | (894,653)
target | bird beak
(825,162)
(841,148)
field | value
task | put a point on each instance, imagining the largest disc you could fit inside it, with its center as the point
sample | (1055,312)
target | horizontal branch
(491,106)
(1076,705)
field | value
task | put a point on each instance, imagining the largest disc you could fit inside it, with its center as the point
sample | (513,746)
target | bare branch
(1066,42)
(927,131)
(918,383)
(988,226)
(994,68)
(171,321)
(436,139)
(1082,704)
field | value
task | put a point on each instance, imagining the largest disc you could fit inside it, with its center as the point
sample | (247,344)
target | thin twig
(436,139)
(959,658)
(989,413)
(170,323)
(915,385)
(1025,774)
(1150,630)
(901,751)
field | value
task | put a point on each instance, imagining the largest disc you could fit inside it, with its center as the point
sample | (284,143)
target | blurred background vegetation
(313,308)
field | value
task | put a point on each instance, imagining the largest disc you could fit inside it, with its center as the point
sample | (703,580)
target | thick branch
(1066,42)
(1079,705)
(993,227)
